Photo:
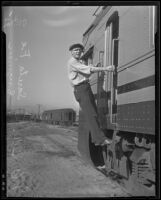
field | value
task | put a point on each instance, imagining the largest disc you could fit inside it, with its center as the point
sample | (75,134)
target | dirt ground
(43,161)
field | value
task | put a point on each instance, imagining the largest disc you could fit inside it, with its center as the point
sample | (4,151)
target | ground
(43,161)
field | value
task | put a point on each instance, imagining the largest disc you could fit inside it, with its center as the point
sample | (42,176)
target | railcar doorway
(111,58)
(107,88)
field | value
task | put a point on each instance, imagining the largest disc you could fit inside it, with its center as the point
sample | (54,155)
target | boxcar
(18,117)
(59,116)
(123,36)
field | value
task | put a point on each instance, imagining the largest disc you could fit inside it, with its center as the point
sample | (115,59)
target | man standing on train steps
(79,74)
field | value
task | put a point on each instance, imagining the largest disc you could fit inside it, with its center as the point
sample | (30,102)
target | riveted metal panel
(137,117)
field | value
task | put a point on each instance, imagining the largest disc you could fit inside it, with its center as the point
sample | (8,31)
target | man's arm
(88,69)
(99,69)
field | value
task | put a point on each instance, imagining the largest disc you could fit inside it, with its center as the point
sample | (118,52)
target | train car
(59,116)
(123,36)
(18,117)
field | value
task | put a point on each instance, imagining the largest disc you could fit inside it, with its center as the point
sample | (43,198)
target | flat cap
(76,46)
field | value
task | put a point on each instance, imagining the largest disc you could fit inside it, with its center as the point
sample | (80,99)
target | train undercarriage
(129,158)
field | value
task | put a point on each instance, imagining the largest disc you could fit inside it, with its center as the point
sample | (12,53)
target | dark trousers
(85,97)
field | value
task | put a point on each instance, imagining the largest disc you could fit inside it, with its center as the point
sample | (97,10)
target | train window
(70,116)
(51,115)
(100,75)
(88,56)
(111,38)
(101,56)
(153,24)
(154,18)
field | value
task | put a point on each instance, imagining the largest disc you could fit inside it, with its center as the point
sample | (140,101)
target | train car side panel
(134,34)
(123,36)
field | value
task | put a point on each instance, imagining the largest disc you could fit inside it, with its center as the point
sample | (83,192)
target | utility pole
(39,111)
(24,112)
(10,102)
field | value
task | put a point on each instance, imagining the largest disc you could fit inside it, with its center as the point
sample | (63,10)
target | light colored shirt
(78,72)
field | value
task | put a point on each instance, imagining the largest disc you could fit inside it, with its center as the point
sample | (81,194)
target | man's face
(76,52)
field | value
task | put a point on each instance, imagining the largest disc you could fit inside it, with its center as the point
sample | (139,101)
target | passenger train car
(65,116)
(123,36)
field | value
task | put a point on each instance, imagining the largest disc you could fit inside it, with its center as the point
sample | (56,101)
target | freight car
(123,36)
(18,117)
(59,116)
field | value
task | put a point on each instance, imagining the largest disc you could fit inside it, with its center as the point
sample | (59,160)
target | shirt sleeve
(79,67)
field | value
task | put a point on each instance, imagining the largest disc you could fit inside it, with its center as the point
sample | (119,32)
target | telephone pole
(39,111)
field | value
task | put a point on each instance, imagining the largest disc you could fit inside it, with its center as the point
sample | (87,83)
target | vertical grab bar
(112,73)
(111,77)
(105,57)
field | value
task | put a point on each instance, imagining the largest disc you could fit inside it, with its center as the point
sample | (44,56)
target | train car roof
(98,18)
(57,110)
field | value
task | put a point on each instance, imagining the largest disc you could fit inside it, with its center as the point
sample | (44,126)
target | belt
(82,83)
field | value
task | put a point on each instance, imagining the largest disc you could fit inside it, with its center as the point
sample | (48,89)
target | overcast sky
(38,39)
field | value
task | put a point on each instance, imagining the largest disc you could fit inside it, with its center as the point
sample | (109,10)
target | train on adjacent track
(66,116)
(123,36)
(18,117)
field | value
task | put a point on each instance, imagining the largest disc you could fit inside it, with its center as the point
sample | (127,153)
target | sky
(38,39)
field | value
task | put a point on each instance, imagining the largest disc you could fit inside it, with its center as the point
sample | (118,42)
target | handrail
(112,73)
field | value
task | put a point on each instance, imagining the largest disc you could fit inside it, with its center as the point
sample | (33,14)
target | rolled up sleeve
(79,67)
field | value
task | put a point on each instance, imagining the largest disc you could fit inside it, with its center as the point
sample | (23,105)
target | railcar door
(111,58)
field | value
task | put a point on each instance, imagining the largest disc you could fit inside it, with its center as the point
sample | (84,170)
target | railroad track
(118,180)
(124,184)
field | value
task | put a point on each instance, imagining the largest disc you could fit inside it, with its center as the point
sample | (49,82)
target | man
(79,74)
